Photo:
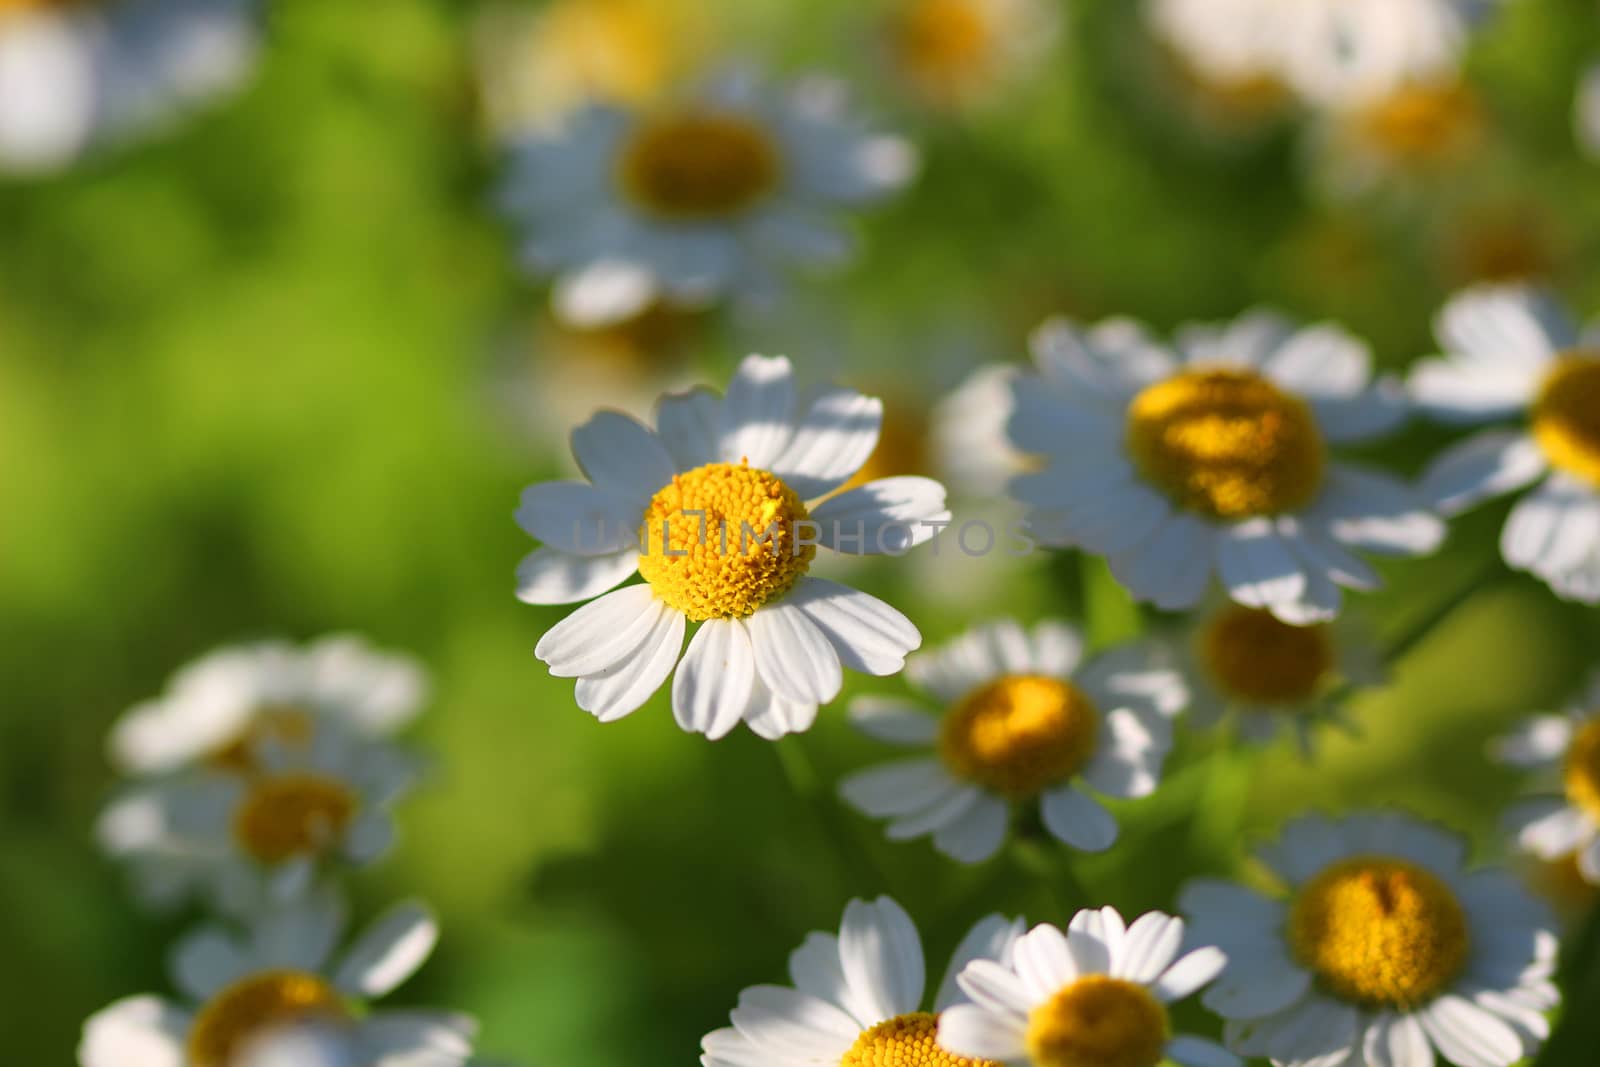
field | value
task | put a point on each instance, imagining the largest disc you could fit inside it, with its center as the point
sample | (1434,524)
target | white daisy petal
(935,817)
(622,454)
(893,722)
(970,1031)
(1172,567)
(389,951)
(834,440)
(757,418)
(1397,1041)
(687,423)
(996,988)
(1257,567)
(1057,649)
(1549,828)
(412,1037)
(1353,419)
(602,633)
(869,635)
(887,516)
(977,833)
(1198,1052)
(771,717)
(1504,326)
(1468,1035)
(814,968)
(579,518)
(1045,963)
(881,955)
(793,656)
(991,938)
(1486,465)
(1376,513)
(622,688)
(897,789)
(1190,973)
(1077,820)
(140,1031)
(1152,944)
(786,1021)
(550,576)
(713,683)
(1540,742)
(1319,361)
(301,935)
(207,960)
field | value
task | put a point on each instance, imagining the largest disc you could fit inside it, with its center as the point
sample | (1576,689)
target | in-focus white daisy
(245,839)
(1264,676)
(220,709)
(1512,353)
(245,992)
(958,53)
(1385,950)
(708,197)
(77,74)
(1565,750)
(1216,461)
(1095,995)
(857,1000)
(720,491)
(1022,724)
(1586,112)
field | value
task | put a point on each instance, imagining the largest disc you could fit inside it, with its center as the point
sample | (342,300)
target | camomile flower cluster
(1563,751)
(1023,721)
(721,508)
(79,74)
(1212,459)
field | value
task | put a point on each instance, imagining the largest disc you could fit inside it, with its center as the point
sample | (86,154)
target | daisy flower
(75,75)
(1386,950)
(1510,352)
(703,198)
(1565,749)
(1417,131)
(955,53)
(1215,461)
(857,999)
(1094,994)
(220,709)
(244,839)
(244,992)
(1224,56)
(1266,676)
(1022,724)
(719,490)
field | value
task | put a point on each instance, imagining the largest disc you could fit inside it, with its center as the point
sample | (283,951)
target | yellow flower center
(720,541)
(699,166)
(1566,416)
(1379,932)
(1098,1021)
(1422,124)
(1583,769)
(943,46)
(292,814)
(256,1005)
(905,1041)
(1254,657)
(1227,443)
(280,724)
(1019,734)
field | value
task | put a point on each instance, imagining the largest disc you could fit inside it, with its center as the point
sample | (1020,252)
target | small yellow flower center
(292,814)
(1020,734)
(720,541)
(1583,769)
(1566,416)
(699,166)
(905,1041)
(943,46)
(1227,443)
(1098,1021)
(1254,657)
(1420,125)
(1379,932)
(280,724)
(253,1006)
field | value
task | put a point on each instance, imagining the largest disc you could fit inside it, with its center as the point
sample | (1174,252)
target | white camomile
(712,195)
(1094,995)
(1564,751)
(1512,355)
(732,496)
(252,997)
(1385,950)
(1214,461)
(1024,721)
(857,999)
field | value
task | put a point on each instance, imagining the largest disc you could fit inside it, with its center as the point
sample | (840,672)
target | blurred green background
(254,380)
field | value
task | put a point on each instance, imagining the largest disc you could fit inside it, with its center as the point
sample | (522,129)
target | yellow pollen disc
(1020,734)
(1422,124)
(905,1041)
(699,166)
(1583,769)
(1098,1021)
(943,46)
(740,554)
(1254,657)
(1379,932)
(1566,416)
(1227,443)
(292,814)
(285,725)
(255,1005)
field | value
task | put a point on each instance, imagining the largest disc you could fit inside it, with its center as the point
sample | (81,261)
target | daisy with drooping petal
(1386,950)
(957,53)
(1565,749)
(1023,725)
(1215,461)
(709,197)
(857,999)
(79,74)
(243,992)
(1512,353)
(726,492)
(1095,995)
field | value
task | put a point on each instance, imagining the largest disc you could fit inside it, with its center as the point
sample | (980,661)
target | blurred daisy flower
(1386,950)
(732,496)
(1225,59)
(1265,676)
(1416,131)
(1510,353)
(1565,749)
(244,841)
(249,996)
(957,53)
(1097,993)
(1215,461)
(856,999)
(707,197)
(77,75)
(219,710)
(1022,724)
